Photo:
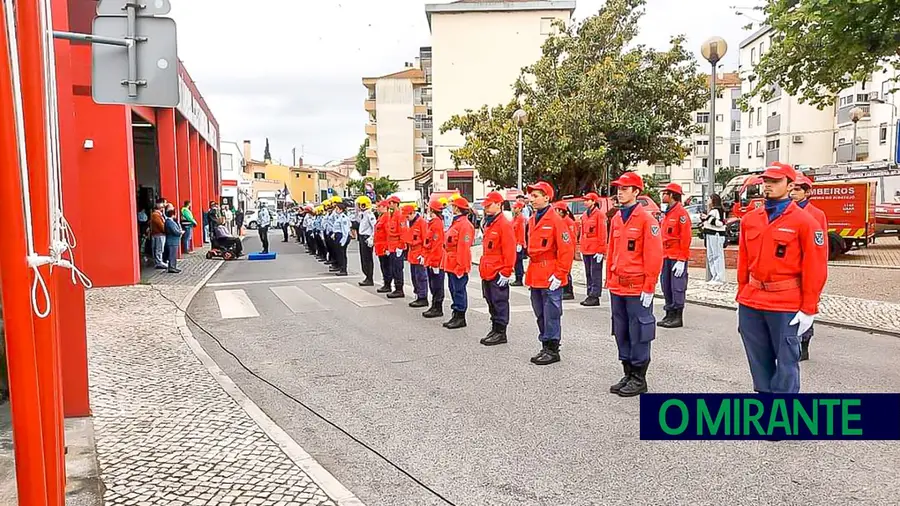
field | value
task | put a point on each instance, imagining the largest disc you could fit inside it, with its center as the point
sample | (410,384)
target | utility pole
(294,154)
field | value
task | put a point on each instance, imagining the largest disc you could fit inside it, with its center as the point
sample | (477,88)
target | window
(751,117)
(758,151)
(686,187)
(734,104)
(704,163)
(762,48)
(735,125)
(882,133)
(718,162)
(720,140)
(323,176)
(773,144)
(226,161)
(758,116)
(703,143)
(702,117)
(749,150)
(547,27)
(297,175)
(309,176)
(735,148)
(885,89)
(753,56)
(259,175)
(720,117)
(862,98)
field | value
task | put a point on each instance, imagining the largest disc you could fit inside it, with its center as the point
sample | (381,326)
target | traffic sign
(145,7)
(156,65)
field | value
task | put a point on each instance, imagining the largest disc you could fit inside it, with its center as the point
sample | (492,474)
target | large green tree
(596,103)
(362,161)
(823,46)
(383,186)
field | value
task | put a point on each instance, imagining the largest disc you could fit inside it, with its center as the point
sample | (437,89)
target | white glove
(805,322)
(678,269)
(518,248)
(436,270)
(370,242)
(554,283)
(399,252)
(421,259)
(737,316)
(646,299)
(598,257)
(503,280)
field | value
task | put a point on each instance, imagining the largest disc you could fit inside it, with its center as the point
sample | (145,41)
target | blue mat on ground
(261,256)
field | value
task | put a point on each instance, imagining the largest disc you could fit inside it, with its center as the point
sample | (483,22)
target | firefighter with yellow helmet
(366,235)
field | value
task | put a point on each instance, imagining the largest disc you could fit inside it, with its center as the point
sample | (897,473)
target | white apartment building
(478,50)
(876,131)
(396,140)
(231,167)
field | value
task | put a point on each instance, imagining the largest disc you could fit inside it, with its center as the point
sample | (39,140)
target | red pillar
(199,206)
(71,308)
(182,149)
(28,19)
(214,185)
(204,174)
(168,159)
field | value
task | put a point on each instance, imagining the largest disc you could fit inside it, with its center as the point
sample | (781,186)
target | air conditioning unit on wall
(797,139)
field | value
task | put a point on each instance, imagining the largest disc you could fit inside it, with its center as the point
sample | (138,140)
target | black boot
(419,303)
(804,350)
(541,353)
(665,321)
(396,294)
(517,282)
(568,295)
(673,319)
(496,336)
(435,311)
(457,322)
(637,383)
(384,289)
(551,356)
(591,301)
(614,389)
(367,282)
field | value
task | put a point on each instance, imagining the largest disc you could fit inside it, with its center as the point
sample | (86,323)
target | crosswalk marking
(235,304)
(296,299)
(357,295)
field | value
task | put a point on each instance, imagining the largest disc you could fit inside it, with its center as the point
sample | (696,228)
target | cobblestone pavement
(834,308)
(885,252)
(166,432)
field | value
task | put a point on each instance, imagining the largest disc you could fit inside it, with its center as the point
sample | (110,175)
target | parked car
(694,211)
(250,219)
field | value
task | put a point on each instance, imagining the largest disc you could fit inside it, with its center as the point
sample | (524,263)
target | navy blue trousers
(593,271)
(520,266)
(419,280)
(673,288)
(773,349)
(497,298)
(458,291)
(548,309)
(385,262)
(436,284)
(634,327)
(397,270)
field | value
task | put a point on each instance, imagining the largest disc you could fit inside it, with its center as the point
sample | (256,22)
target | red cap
(803,181)
(436,205)
(518,205)
(542,186)
(494,198)
(591,196)
(780,170)
(381,203)
(561,206)
(393,199)
(629,179)
(461,203)
(674,188)
(408,210)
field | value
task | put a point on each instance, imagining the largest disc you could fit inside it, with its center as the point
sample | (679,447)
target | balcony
(701,175)
(845,152)
(773,124)
(703,129)
(421,145)
(371,129)
(662,178)
(843,115)
(701,151)
(370,105)
(420,109)
(772,155)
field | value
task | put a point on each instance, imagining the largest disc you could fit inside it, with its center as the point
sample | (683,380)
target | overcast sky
(291,70)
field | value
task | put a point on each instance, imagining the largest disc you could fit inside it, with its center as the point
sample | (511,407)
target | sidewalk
(852,312)
(169,429)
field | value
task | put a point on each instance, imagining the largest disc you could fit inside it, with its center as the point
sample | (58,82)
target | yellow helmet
(363,201)
(336,199)
(455,196)
(319,209)
(443,200)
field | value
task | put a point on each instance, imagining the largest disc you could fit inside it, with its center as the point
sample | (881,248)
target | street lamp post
(856,114)
(520,117)
(713,50)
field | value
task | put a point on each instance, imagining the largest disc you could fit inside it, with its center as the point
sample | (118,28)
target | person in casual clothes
(188,224)
(172,239)
(714,235)
(222,238)
(158,234)
(239,222)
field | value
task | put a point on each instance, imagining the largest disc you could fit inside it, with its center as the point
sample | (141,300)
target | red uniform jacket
(676,233)
(635,254)
(396,231)
(434,243)
(783,265)
(519,222)
(499,246)
(380,241)
(416,234)
(458,246)
(817,215)
(593,232)
(551,248)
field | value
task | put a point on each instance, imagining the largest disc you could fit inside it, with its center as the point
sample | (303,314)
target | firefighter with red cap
(800,194)
(519,224)
(566,214)
(676,237)
(551,250)
(434,258)
(415,241)
(496,266)
(458,260)
(593,247)
(396,244)
(380,245)
(635,261)
(782,269)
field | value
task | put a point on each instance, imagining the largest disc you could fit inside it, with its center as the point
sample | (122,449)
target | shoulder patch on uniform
(819,238)
(466,238)
(565,237)
(682,219)
(654,229)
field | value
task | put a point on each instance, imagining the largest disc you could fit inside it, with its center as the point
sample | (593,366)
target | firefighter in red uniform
(380,245)
(566,214)
(496,266)
(396,245)
(593,248)
(416,242)
(434,258)
(519,224)
(676,237)
(800,194)
(782,269)
(551,250)
(633,267)
(458,260)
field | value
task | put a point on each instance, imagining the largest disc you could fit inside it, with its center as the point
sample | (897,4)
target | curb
(325,480)
(863,266)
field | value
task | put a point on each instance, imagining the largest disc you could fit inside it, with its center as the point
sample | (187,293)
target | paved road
(485,427)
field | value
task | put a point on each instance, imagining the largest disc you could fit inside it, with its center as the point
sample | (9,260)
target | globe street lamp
(713,50)
(856,114)
(520,117)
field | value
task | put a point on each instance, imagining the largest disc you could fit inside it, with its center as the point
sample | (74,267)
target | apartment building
(396,108)
(876,130)
(478,50)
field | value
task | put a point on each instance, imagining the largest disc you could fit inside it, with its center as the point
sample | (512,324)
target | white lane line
(297,300)
(235,304)
(357,295)
(275,281)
